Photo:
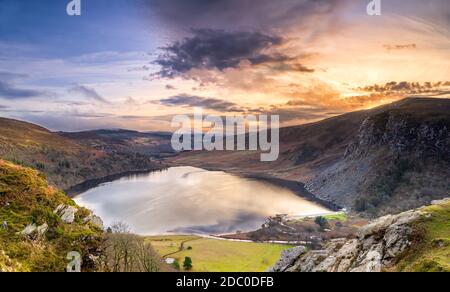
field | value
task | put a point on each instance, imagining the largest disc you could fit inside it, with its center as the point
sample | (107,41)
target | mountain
(413,241)
(65,161)
(155,144)
(399,159)
(379,161)
(40,225)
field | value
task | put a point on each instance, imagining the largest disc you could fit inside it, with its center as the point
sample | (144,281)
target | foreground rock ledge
(376,248)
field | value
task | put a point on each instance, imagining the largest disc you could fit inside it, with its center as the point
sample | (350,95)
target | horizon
(168,132)
(135,64)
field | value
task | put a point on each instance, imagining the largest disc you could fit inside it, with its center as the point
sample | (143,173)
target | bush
(176,265)
(187,265)
(322,222)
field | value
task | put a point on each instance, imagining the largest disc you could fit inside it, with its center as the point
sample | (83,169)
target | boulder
(95,220)
(66,213)
(33,231)
(28,230)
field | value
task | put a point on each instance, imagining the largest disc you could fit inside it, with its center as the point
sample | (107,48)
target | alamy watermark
(74,8)
(232,133)
(74,266)
(374,8)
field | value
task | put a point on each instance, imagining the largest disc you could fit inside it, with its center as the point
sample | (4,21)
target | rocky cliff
(398,160)
(417,240)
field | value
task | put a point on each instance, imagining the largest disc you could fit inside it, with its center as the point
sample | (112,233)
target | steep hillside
(65,162)
(379,161)
(414,241)
(304,150)
(398,160)
(40,225)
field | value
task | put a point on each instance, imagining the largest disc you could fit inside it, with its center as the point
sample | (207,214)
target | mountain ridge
(318,155)
(65,161)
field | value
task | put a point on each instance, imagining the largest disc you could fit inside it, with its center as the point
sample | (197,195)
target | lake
(188,200)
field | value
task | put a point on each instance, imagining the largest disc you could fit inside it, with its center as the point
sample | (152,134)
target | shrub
(187,264)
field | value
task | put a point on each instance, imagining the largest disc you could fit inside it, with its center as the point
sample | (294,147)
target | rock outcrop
(378,247)
(67,213)
(34,232)
(398,160)
(95,220)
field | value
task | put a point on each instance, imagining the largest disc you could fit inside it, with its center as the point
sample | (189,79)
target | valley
(382,161)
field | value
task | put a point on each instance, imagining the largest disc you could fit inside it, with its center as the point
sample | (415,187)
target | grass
(26,198)
(342,217)
(431,252)
(213,255)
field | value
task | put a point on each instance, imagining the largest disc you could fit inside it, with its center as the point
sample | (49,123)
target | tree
(176,265)
(322,222)
(126,252)
(187,265)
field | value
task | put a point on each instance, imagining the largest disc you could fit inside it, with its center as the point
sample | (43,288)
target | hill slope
(65,161)
(399,159)
(379,161)
(40,225)
(125,141)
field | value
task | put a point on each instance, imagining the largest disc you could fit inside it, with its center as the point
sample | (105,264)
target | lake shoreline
(93,183)
(296,187)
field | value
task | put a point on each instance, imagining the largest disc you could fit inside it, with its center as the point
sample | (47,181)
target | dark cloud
(238,14)
(3,106)
(408,87)
(9,91)
(217,49)
(170,87)
(88,92)
(400,47)
(185,100)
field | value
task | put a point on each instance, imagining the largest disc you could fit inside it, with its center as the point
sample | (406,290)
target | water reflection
(191,200)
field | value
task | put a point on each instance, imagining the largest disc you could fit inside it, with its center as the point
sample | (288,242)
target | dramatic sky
(135,63)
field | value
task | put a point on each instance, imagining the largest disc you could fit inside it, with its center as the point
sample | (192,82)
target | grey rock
(41,230)
(97,221)
(33,231)
(66,213)
(28,230)
(288,257)
(376,248)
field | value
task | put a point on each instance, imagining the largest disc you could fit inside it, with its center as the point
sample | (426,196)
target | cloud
(8,76)
(400,47)
(217,49)
(185,100)
(170,87)
(88,92)
(408,87)
(238,14)
(9,91)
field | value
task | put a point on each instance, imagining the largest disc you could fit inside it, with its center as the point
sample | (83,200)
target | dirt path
(181,247)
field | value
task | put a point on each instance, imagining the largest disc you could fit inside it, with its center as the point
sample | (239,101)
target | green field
(342,216)
(212,255)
